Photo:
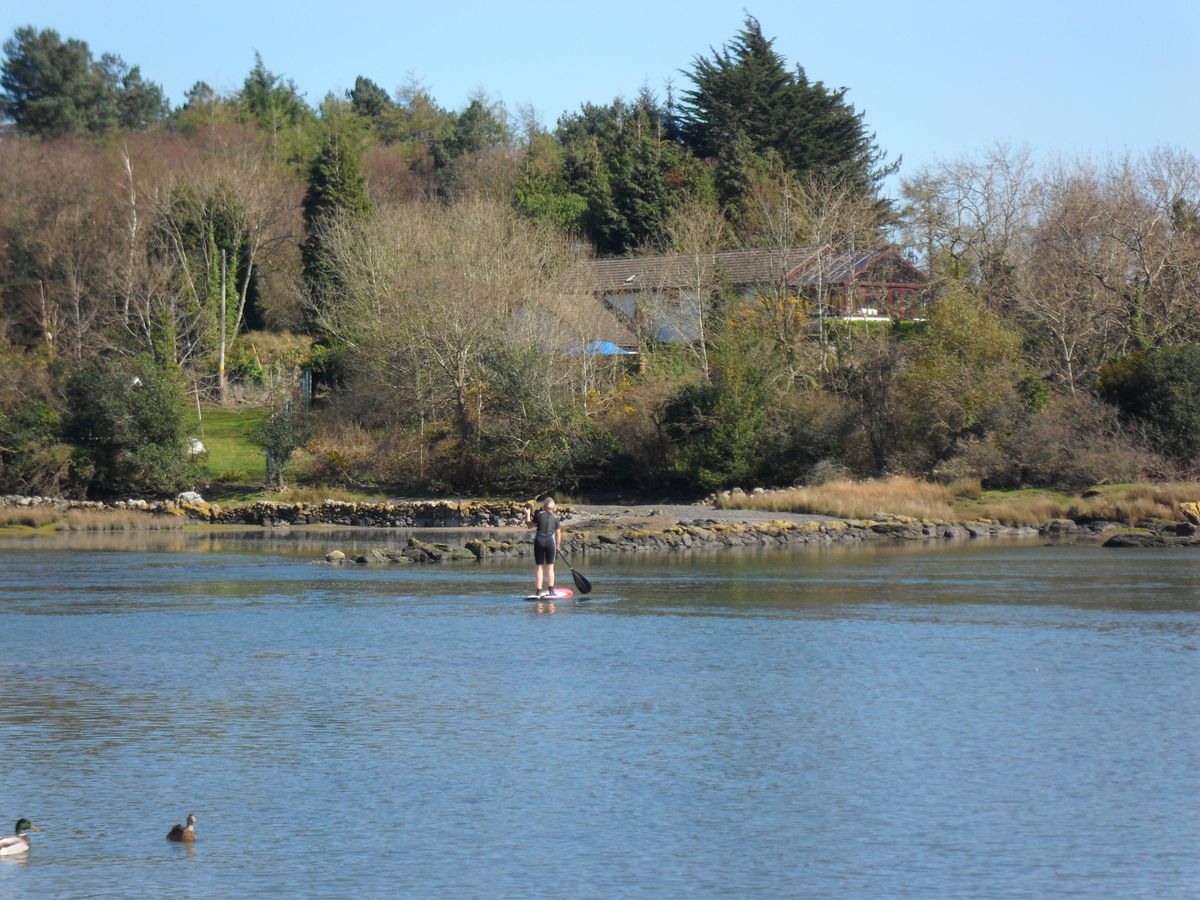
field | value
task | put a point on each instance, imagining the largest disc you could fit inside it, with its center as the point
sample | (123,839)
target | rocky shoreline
(591,530)
(396,514)
(698,534)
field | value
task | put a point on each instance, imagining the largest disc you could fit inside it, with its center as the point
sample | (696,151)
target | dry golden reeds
(964,501)
(1138,502)
(1018,509)
(29,517)
(117,520)
(899,495)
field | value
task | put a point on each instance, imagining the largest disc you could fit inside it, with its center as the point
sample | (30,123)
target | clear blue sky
(937,79)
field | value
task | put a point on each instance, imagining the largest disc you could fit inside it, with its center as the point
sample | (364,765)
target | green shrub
(1161,390)
(720,429)
(126,420)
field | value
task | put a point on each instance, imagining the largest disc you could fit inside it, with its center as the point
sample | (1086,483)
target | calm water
(989,721)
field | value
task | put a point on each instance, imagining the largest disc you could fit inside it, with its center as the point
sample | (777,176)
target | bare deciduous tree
(462,313)
(697,231)
(971,216)
(825,218)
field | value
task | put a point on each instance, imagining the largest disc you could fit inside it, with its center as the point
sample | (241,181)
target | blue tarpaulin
(601,348)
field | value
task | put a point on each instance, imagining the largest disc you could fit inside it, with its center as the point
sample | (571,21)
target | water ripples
(900,724)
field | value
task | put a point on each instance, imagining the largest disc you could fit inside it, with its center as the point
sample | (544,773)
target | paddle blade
(585,586)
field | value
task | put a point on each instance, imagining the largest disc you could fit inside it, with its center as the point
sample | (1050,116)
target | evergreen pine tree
(639,190)
(618,159)
(745,96)
(269,100)
(50,87)
(587,176)
(369,99)
(745,89)
(336,188)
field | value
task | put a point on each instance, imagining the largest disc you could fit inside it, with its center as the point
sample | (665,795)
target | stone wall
(401,514)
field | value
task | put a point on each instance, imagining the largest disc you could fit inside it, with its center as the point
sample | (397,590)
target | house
(656,295)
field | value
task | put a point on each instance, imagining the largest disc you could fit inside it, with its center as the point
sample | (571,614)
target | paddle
(585,586)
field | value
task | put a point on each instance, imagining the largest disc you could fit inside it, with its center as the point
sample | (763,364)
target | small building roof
(741,268)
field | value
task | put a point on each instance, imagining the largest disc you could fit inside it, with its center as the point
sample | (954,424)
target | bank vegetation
(393,286)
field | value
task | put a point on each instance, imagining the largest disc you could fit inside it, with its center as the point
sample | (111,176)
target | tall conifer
(744,95)
(336,188)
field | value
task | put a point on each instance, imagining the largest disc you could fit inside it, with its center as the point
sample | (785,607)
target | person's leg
(550,576)
(539,560)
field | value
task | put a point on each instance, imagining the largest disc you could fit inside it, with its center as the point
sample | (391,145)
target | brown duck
(183,832)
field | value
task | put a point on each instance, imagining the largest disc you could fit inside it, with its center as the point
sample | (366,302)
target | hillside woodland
(397,283)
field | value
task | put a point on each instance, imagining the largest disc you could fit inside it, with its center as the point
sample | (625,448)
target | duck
(11,846)
(183,832)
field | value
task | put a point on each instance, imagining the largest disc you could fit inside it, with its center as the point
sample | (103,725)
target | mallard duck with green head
(11,846)
(183,832)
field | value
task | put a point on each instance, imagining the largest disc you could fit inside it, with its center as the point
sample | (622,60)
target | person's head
(548,502)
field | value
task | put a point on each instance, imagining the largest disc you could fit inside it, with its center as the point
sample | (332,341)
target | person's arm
(557,536)
(529,520)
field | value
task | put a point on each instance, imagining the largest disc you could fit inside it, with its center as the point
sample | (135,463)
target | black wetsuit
(543,541)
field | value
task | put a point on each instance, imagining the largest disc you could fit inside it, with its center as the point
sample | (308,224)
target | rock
(375,556)
(200,510)
(189,497)
(423,551)
(1128,539)
(481,547)
(335,556)
(1059,526)
(896,529)
(1154,524)
(1191,512)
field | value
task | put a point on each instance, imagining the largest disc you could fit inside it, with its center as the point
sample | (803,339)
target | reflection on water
(1003,720)
(304,541)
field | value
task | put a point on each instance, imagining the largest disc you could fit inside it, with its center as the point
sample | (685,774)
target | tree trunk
(221,384)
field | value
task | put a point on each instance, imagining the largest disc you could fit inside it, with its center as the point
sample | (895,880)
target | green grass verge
(234,466)
(226,434)
(298,494)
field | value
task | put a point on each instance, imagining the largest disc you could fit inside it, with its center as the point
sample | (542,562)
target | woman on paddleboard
(545,542)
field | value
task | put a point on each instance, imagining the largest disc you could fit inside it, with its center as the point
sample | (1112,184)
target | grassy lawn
(236,467)
(226,433)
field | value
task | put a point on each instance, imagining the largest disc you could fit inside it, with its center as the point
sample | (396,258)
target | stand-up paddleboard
(560,593)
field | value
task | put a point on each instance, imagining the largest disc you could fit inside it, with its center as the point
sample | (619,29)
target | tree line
(423,264)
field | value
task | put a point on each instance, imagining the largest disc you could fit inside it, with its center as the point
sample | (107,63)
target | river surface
(983,720)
